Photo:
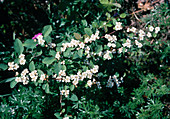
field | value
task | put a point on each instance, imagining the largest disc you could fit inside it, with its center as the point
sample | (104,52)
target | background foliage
(144,91)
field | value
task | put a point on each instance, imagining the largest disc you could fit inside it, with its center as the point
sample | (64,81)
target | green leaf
(77,36)
(63,67)
(47,90)
(117,5)
(13,83)
(7,80)
(52,53)
(114,21)
(58,115)
(48,60)
(31,66)
(48,39)
(123,15)
(57,68)
(88,31)
(40,72)
(30,43)
(84,22)
(18,47)
(47,30)
(74,98)
(39,53)
(99,48)
(67,53)
(72,87)
(3,66)
(80,53)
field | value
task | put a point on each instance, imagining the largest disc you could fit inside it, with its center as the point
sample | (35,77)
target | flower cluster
(62,77)
(22,59)
(13,66)
(92,38)
(39,37)
(65,92)
(118,26)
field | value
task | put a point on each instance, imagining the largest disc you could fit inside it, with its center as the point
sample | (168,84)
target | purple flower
(35,36)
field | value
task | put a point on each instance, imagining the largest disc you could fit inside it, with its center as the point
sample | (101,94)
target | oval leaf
(13,83)
(77,36)
(74,98)
(18,47)
(88,31)
(48,60)
(32,66)
(30,43)
(47,30)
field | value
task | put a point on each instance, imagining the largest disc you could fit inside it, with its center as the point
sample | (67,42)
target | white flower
(67,79)
(41,41)
(149,34)
(157,29)
(66,118)
(109,44)
(63,62)
(16,73)
(52,45)
(151,28)
(118,26)
(107,56)
(18,79)
(81,45)
(84,75)
(57,55)
(62,49)
(100,53)
(140,37)
(62,92)
(114,38)
(141,33)
(42,77)
(62,73)
(133,29)
(89,75)
(25,82)
(87,49)
(22,56)
(75,82)
(86,40)
(138,44)
(34,78)
(22,61)
(127,44)
(89,83)
(11,65)
(67,93)
(16,66)
(128,29)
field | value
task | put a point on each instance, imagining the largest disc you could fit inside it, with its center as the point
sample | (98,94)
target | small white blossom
(118,26)
(18,79)
(57,55)
(151,28)
(81,45)
(157,29)
(42,77)
(16,66)
(22,61)
(67,79)
(89,83)
(22,56)
(149,34)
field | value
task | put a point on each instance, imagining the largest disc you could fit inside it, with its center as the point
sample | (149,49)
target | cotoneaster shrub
(105,70)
